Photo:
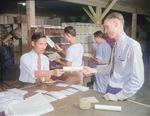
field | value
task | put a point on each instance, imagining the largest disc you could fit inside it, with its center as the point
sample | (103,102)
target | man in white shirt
(34,65)
(103,52)
(126,68)
(74,55)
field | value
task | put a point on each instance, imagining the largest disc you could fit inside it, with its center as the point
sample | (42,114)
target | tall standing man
(126,69)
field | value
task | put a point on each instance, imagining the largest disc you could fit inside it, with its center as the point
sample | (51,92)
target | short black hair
(99,34)
(37,35)
(70,30)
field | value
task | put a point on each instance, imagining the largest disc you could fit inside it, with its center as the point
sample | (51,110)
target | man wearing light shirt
(128,72)
(74,55)
(29,71)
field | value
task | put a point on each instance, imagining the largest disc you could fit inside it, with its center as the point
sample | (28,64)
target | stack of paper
(57,95)
(53,56)
(68,68)
(10,95)
(41,91)
(72,90)
(81,88)
(62,85)
(65,92)
(35,105)
(92,99)
(49,98)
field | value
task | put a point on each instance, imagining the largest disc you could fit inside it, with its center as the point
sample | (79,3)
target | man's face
(97,40)
(67,37)
(111,27)
(40,45)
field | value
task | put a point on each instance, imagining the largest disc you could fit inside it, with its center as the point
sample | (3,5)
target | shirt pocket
(121,61)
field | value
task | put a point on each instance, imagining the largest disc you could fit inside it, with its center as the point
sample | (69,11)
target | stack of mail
(81,88)
(72,90)
(35,105)
(9,95)
(50,98)
(57,95)
(53,56)
(66,92)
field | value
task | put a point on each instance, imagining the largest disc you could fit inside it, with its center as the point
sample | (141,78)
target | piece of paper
(108,107)
(49,98)
(41,91)
(35,105)
(10,95)
(68,68)
(92,99)
(62,85)
(81,88)
(56,95)
(53,56)
(72,90)
(65,92)
(50,42)
(86,54)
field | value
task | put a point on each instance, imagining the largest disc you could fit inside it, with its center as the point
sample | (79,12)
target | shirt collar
(34,53)
(121,39)
(102,42)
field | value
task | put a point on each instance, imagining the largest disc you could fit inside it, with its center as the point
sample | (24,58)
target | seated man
(73,55)
(34,66)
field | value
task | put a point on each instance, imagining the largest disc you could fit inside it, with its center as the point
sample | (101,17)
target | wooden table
(69,106)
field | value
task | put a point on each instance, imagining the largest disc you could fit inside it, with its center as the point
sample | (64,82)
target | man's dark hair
(70,30)
(99,34)
(37,35)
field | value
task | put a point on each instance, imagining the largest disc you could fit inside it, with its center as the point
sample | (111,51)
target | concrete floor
(11,75)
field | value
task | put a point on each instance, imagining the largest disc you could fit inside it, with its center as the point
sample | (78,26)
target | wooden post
(134,23)
(24,38)
(30,11)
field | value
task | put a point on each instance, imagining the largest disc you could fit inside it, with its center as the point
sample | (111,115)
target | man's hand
(111,97)
(57,47)
(58,72)
(90,56)
(57,60)
(48,79)
(87,71)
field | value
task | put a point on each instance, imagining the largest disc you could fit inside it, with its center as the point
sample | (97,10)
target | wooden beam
(30,11)
(116,7)
(24,38)
(82,2)
(134,23)
(89,14)
(98,14)
(107,9)
(92,11)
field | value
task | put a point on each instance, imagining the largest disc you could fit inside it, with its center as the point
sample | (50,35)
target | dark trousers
(112,90)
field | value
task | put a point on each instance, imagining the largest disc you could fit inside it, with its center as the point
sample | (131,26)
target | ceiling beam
(117,7)
(107,9)
(92,11)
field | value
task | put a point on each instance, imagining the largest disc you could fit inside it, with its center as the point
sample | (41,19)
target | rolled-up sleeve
(136,76)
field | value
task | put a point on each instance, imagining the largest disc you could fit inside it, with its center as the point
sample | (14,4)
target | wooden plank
(107,9)
(98,14)
(1,19)
(30,10)
(134,23)
(17,48)
(89,14)
(116,7)
(24,38)
(92,11)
